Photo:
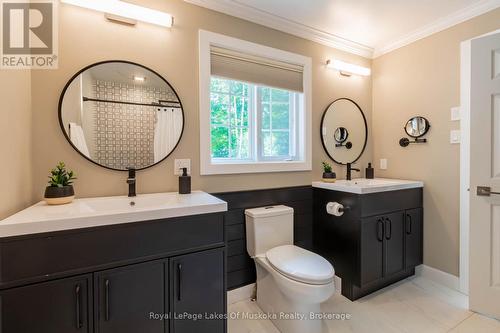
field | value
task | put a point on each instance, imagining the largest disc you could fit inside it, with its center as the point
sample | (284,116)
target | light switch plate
(455,113)
(383,164)
(455,136)
(182,163)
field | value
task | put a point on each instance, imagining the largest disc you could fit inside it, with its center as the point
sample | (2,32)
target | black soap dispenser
(184,182)
(369,172)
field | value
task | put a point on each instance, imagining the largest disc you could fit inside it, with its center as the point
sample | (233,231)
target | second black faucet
(349,171)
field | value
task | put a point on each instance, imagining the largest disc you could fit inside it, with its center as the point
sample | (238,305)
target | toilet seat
(300,265)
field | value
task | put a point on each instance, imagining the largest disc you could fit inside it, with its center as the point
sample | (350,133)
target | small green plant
(327,168)
(60,177)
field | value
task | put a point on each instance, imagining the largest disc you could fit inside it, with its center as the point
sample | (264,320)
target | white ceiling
(365,27)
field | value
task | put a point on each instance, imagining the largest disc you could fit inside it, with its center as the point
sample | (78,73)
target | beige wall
(419,79)
(86,37)
(424,79)
(15,141)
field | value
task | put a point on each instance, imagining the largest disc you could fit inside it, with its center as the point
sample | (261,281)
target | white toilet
(291,282)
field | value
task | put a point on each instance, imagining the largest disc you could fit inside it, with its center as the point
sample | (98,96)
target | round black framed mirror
(343,119)
(417,127)
(121,115)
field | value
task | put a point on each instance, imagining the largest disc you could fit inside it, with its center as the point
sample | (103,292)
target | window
(252,123)
(230,123)
(254,107)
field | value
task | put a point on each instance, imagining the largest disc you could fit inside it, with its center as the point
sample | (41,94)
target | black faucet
(131,182)
(349,171)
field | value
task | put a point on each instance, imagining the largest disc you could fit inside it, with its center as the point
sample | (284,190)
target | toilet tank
(268,227)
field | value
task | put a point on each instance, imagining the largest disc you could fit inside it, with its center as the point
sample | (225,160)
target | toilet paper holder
(336,209)
(345,208)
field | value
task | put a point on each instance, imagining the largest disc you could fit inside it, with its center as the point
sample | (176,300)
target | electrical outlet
(182,163)
(454,136)
(383,164)
(455,113)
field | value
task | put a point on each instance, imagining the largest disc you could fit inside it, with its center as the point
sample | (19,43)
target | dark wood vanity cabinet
(57,306)
(198,288)
(126,296)
(156,287)
(414,233)
(378,240)
(381,247)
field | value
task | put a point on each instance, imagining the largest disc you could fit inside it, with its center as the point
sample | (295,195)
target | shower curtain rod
(159,104)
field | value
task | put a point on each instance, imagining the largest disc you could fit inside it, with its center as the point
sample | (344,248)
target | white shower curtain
(77,137)
(168,128)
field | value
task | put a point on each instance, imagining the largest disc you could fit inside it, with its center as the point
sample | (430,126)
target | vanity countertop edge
(81,213)
(364,186)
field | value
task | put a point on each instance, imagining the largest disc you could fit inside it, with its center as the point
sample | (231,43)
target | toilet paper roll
(335,209)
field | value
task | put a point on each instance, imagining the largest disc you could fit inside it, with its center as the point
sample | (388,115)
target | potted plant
(328,175)
(60,189)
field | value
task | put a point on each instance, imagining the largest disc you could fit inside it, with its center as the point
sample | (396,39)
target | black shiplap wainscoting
(240,267)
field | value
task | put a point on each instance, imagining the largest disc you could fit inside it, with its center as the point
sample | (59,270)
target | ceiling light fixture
(348,69)
(120,9)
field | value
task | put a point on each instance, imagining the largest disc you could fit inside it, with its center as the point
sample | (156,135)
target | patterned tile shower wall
(124,134)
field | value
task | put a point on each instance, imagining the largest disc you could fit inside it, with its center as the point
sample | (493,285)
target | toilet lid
(300,265)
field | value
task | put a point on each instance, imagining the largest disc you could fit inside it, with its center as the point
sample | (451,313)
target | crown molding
(264,18)
(279,23)
(444,23)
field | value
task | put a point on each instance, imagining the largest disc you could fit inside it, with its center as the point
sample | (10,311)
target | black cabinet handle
(380,230)
(179,282)
(408,224)
(78,308)
(106,300)
(388,228)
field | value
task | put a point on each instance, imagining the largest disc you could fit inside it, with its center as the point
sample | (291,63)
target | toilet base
(288,315)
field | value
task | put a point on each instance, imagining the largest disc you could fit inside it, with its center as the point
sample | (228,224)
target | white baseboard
(241,294)
(446,279)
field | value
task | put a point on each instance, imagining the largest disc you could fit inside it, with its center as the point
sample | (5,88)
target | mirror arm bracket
(405,142)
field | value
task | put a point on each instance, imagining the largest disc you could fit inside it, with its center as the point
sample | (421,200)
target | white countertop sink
(94,212)
(363,186)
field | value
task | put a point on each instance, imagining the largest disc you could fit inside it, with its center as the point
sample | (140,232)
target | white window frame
(303,162)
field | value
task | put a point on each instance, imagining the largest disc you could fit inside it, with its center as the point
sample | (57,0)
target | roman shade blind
(256,69)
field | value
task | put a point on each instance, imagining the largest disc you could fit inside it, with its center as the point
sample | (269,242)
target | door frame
(465,81)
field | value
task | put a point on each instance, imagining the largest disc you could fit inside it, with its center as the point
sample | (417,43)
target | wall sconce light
(348,69)
(117,10)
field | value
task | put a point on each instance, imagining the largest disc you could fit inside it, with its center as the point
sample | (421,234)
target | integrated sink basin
(94,212)
(363,185)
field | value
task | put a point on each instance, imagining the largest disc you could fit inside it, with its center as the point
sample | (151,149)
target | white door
(484,270)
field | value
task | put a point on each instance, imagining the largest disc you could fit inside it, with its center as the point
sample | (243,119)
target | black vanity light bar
(161,103)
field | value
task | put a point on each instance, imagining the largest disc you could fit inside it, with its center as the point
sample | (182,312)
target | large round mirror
(417,127)
(344,131)
(121,115)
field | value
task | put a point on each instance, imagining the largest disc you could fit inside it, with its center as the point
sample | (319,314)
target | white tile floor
(413,305)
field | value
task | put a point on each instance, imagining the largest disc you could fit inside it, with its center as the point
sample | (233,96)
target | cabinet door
(414,228)
(394,243)
(55,306)
(127,298)
(197,284)
(372,249)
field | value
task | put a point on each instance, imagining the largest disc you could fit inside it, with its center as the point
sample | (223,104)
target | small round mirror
(344,120)
(341,134)
(121,115)
(417,127)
